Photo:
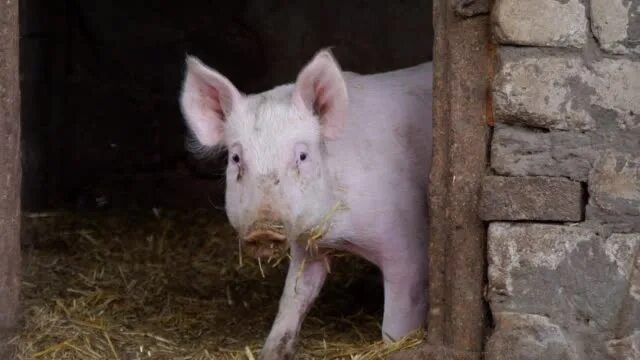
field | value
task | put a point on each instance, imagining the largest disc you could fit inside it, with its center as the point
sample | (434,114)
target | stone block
(548,282)
(536,90)
(614,188)
(567,273)
(612,87)
(627,348)
(616,25)
(531,198)
(522,151)
(527,336)
(540,23)
(624,250)
(542,90)
(519,151)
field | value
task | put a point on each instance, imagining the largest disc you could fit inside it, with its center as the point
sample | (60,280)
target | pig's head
(277,183)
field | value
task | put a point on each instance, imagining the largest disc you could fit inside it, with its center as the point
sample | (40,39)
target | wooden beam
(461,135)
(462,70)
(10,170)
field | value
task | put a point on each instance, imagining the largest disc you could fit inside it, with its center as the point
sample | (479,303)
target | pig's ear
(321,89)
(206,101)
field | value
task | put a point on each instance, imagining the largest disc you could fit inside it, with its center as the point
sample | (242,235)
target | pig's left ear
(321,89)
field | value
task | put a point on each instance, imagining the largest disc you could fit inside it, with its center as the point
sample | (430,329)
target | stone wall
(563,196)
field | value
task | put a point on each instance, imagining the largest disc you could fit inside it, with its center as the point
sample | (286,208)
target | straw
(139,285)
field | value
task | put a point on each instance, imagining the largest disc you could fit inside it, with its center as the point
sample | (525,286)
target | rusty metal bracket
(470,8)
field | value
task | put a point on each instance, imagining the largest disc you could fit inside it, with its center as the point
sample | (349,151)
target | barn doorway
(125,247)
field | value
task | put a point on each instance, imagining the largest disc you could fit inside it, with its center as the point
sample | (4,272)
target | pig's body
(373,156)
(380,164)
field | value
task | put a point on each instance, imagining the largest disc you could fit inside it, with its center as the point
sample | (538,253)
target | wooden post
(10,170)
(462,71)
(461,135)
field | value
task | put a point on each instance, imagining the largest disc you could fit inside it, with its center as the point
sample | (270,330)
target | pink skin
(297,150)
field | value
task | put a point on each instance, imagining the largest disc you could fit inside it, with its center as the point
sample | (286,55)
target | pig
(296,151)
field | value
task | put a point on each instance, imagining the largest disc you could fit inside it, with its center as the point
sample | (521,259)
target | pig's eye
(301,153)
(235,158)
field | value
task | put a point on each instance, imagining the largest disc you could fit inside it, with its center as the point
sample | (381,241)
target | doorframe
(10,172)
(459,318)
(462,112)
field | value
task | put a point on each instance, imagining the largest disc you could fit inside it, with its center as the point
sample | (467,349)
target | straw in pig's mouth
(265,240)
(317,232)
(314,235)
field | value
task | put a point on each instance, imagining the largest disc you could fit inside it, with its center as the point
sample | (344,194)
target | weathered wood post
(462,115)
(462,112)
(10,170)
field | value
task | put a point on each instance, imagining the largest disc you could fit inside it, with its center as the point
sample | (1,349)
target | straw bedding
(165,285)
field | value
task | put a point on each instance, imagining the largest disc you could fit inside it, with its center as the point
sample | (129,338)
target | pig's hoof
(277,355)
(278,348)
(265,244)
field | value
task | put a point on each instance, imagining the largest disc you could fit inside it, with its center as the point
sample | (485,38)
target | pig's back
(389,125)
(382,159)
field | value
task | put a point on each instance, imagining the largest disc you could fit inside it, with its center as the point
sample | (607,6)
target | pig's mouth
(265,241)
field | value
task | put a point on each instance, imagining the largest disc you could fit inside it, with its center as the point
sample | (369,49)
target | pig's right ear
(321,89)
(206,101)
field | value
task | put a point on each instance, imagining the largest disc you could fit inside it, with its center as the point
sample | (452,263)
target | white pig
(298,150)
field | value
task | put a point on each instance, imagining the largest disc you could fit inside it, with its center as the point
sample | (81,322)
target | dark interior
(100,84)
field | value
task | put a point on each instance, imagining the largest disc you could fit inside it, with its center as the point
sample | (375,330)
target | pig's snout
(265,239)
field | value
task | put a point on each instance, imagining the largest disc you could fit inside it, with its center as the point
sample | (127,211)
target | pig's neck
(335,220)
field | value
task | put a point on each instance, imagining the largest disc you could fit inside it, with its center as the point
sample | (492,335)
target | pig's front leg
(300,291)
(405,295)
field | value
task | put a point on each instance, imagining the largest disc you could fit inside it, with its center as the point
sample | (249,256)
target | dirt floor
(167,285)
